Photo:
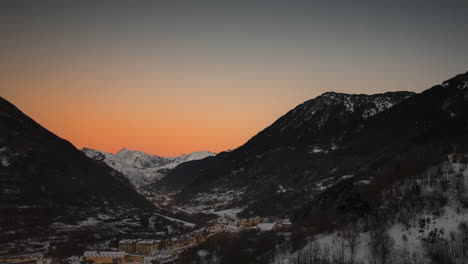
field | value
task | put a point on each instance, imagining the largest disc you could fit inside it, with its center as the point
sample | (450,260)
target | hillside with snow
(142,168)
(422,219)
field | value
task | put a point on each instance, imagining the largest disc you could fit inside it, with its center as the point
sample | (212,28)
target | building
(257,220)
(217,228)
(146,246)
(199,236)
(128,245)
(133,258)
(455,157)
(187,240)
(23,259)
(139,246)
(282,225)
(105,257)
(244,223)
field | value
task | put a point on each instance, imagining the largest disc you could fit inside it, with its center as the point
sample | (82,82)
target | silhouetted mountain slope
(310,130)
(42,170)
(358,136)
(401,142)
(323,121)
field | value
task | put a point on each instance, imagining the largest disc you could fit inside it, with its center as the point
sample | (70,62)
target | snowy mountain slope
(198,155)
(422,219)
(322,108)
(142,168)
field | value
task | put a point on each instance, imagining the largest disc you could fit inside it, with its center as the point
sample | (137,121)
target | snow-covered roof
(128,241)
(159,258)
(266,226)
(104,254)
(147,242)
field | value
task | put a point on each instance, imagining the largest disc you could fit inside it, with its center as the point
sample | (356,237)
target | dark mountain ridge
(41,169)
(321,120)
(315,126)
(53,198)
(401,142)
(328,137)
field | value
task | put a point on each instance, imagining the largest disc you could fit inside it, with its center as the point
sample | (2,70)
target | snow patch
(176,220)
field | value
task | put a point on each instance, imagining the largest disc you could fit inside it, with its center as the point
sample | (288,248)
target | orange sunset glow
(227,132)
(160,112)
(176,82)
(109,113)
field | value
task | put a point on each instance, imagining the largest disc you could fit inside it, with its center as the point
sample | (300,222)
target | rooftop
(104,254)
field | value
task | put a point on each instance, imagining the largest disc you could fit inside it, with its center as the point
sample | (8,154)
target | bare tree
(351,237)
(381,246)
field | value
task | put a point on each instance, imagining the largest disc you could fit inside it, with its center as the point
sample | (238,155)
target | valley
(341,178)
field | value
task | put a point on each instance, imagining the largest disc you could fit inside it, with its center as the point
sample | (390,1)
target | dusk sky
(170,78)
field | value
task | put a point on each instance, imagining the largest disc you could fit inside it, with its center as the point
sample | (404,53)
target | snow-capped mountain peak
(333,108)
(460,81)
(373,104)
(142,168)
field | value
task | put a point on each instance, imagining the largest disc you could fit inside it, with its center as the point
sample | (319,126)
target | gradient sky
(170,78)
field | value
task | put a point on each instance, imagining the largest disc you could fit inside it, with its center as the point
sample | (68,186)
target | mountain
(327,139)
(40,168)
(142,168)
(389,188)
(312,129)
(53,195)
(197,155)
(406,140)
(408,202)
(419,219)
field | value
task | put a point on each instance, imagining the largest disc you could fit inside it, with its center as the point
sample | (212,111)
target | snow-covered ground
(211,202)
(265,226)
(405,240)
(187,224)
(228,213)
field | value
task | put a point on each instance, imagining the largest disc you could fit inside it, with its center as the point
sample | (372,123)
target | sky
(168,77)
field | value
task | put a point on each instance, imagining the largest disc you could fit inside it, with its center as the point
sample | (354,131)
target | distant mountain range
(142,168)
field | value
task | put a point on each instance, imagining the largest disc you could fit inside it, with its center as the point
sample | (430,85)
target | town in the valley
(167,250)
(166,246)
